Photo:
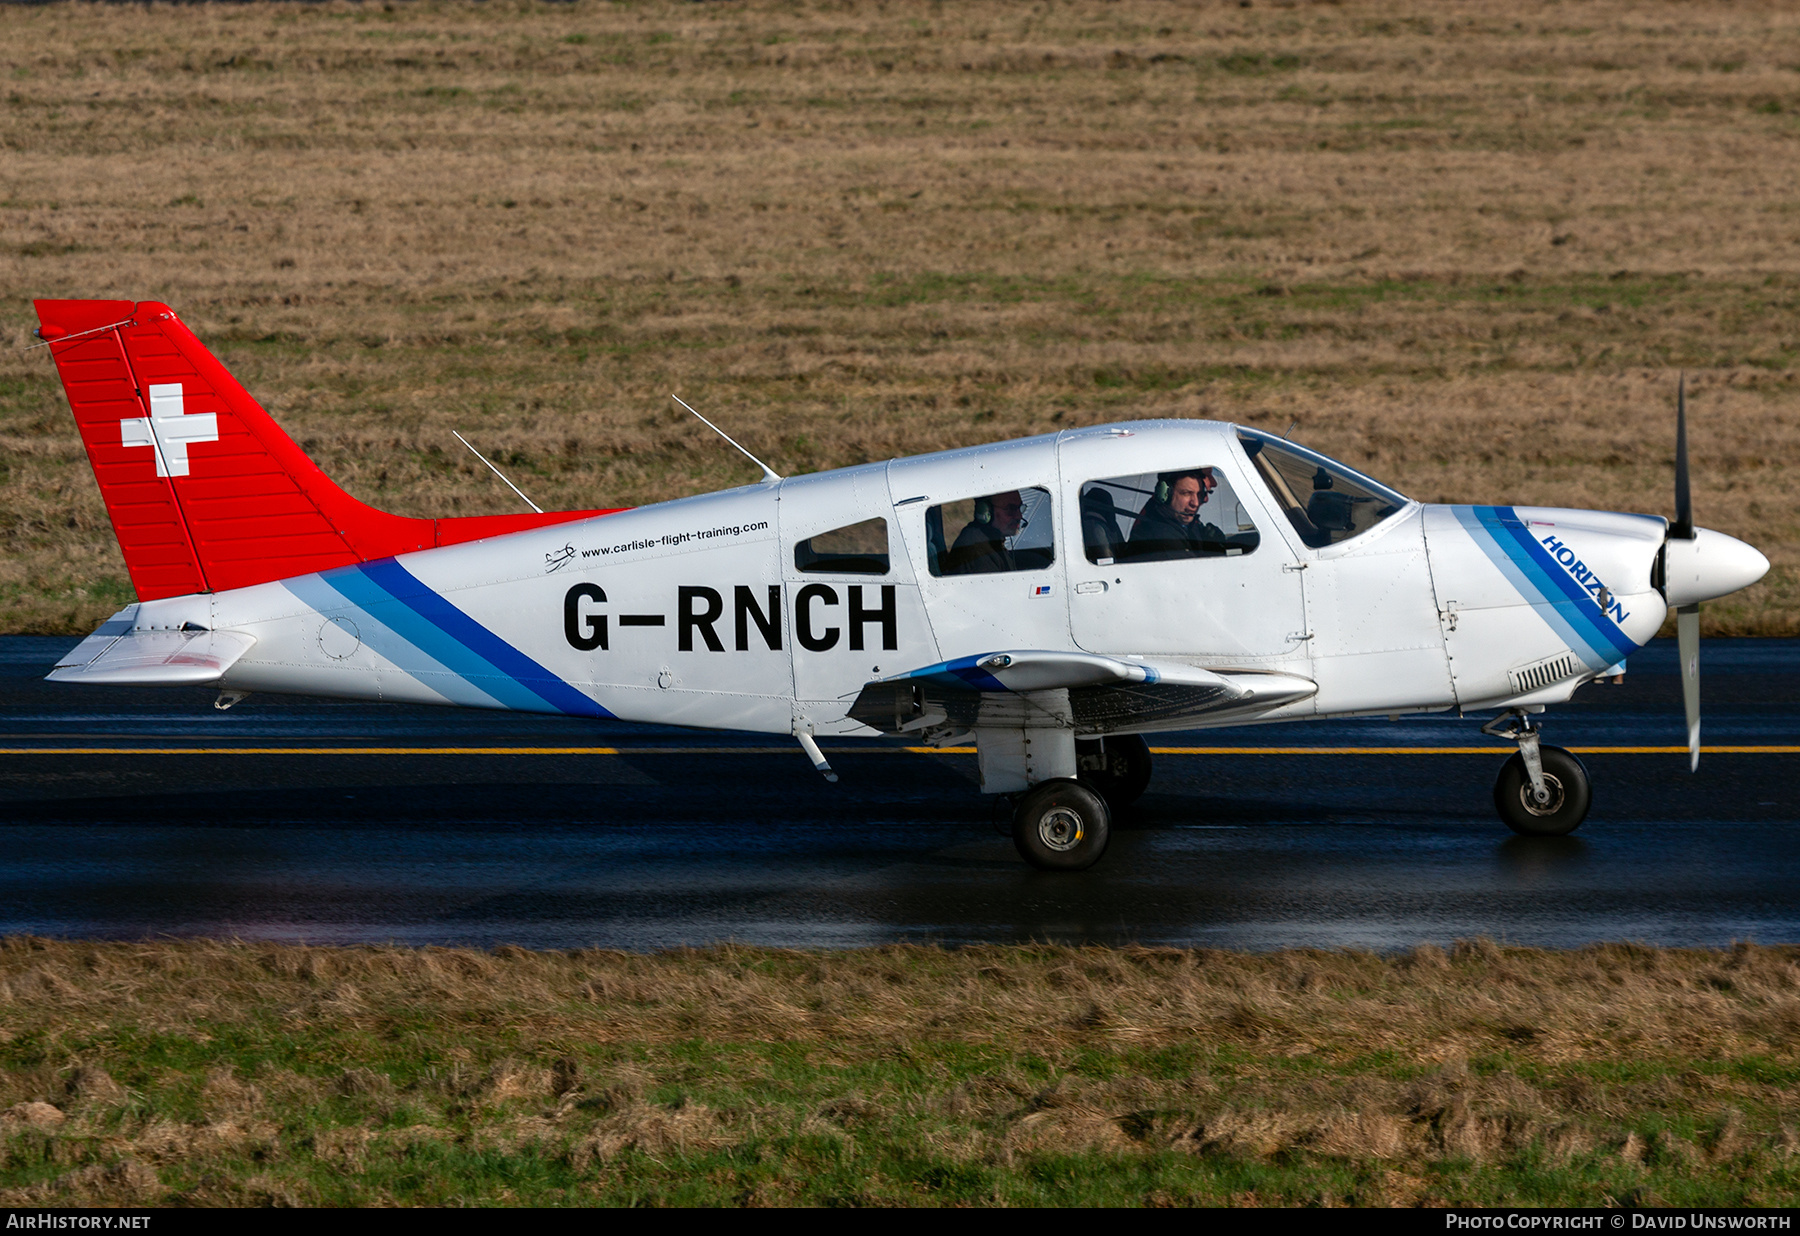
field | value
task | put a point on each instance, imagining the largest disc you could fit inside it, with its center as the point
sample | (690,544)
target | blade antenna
(1683,528)
(769,475)
(484,459)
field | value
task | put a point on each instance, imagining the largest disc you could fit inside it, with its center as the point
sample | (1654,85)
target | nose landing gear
(1541,791)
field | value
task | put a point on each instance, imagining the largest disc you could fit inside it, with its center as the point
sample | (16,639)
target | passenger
(1170,526)
(980,548)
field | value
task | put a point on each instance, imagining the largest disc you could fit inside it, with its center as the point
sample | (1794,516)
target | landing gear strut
(1541,791)
(1117,766)
(1061,825)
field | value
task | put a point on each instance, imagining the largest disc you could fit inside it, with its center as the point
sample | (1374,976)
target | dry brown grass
(1469,248)
(212,1072)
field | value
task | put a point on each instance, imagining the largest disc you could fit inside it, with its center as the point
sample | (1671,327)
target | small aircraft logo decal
(558,560)
(168,430)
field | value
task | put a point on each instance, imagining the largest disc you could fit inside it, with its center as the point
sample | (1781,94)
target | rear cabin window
(855,549)
(1325,500)
(991,533)
(1162,516)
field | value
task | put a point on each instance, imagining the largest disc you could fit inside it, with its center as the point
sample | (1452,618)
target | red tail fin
(204,489)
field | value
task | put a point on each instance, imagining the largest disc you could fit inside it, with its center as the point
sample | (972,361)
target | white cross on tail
(168,431)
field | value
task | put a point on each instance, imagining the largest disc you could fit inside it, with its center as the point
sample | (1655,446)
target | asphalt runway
(130,813)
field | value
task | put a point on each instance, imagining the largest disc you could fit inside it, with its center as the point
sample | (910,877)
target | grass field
(206,1073)
(1468,248)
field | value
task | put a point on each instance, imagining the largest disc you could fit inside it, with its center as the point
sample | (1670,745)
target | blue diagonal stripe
(391,630)
(507,662)
(431,639)
(1583,611)
(962,672)
(1540,579)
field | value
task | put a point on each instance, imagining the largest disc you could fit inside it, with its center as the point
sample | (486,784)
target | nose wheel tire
(1061,826)
(1564,807)
(1118,766)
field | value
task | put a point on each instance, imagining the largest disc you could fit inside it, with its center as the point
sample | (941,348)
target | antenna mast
(769,475)
(484,459)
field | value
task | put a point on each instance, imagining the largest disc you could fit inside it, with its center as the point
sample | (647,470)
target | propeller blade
(1683,527)
(1687,639)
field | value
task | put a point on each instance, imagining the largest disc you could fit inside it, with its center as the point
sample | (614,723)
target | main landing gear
(1064,824)
(1541,791)
(1061,825)
(1118,766)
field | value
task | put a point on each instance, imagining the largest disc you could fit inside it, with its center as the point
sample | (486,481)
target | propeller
(1687,617)
(1698,565)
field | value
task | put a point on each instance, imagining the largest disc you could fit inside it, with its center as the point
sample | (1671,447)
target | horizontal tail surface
(204,489)
(118,654)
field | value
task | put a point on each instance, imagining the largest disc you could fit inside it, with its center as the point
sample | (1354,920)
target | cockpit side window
(854,549)
(992,533)
(1160,516)
(1325,500)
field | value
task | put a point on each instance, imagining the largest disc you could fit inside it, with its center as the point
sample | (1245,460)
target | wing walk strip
(1722,750)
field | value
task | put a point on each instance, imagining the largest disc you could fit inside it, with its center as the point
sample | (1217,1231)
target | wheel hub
(1060,829)
(1553,796)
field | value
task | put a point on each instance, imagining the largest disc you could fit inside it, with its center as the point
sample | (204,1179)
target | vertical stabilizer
(204,489)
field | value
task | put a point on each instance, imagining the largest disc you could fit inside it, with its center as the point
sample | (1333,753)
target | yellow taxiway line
(1496,749)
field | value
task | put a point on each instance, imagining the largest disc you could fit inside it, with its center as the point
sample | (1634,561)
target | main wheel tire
(1570,794)
(1061,825)
(1118,766)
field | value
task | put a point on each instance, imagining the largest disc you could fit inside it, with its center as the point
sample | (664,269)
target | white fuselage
(695,612)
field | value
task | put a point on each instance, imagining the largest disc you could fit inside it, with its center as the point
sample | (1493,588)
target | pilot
(980,548)
(1170,526)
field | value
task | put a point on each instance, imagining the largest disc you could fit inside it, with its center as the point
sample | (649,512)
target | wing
(118,655)
(1091,694)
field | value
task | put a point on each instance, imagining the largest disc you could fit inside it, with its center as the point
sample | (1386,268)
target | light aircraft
(1052,598)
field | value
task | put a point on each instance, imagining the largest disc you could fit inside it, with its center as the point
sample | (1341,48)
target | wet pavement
(688,837)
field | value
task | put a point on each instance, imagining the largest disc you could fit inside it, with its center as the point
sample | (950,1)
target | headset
(1165,484)
(984,511)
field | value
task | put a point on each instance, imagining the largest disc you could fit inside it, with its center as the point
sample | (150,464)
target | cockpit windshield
(1326,501)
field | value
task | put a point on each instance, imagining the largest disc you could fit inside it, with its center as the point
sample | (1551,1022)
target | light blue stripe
(1486,526)
(514,667)
(424,650)
(1526,587)
(1581,607)
(370,608)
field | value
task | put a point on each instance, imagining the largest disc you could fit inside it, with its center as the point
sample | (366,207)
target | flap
(1104,694)
(1038,670)
(152,658)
